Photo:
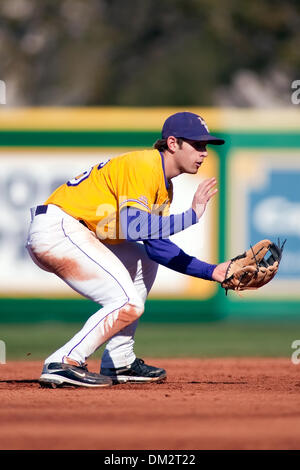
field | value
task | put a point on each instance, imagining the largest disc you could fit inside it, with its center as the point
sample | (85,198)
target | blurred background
(150,53)
(84,80)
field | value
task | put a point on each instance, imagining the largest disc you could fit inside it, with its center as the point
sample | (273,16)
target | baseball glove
(254,268)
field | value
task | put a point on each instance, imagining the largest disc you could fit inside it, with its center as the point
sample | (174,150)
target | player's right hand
(204,193)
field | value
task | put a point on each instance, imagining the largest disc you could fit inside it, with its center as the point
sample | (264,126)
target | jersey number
(83,176)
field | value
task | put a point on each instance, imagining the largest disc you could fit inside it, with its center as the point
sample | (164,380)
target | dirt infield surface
(205,404)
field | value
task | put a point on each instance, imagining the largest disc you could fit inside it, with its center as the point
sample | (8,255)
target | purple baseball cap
(189,126)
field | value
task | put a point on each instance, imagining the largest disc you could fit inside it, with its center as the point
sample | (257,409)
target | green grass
(214,339)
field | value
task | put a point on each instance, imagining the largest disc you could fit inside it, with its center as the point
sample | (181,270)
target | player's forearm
(140,225)
(170,255)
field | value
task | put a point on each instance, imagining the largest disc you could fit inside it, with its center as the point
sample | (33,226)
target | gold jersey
(97,196)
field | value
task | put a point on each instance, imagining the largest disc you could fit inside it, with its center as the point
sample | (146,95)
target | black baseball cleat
(57,374)
(137,372)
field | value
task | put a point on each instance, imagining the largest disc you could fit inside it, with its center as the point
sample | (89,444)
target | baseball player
(105,232)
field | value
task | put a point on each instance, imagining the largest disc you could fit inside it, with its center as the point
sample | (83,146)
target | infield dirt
(204,404)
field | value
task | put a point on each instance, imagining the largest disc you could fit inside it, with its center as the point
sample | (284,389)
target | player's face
(190,156)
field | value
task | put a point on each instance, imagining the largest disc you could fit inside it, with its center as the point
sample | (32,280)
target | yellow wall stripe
(148,119)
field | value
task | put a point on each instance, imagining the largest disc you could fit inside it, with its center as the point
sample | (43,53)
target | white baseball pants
(118,277)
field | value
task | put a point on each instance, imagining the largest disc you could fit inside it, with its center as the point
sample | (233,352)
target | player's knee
(137,309)
(133,310)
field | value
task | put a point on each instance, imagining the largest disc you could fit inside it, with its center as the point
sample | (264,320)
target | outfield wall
(258,170)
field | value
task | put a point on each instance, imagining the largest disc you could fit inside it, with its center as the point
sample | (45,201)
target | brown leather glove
(253,269)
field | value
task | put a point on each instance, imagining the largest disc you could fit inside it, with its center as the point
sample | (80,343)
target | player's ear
(172,143)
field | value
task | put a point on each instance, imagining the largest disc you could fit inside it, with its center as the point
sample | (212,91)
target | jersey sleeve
(138,186)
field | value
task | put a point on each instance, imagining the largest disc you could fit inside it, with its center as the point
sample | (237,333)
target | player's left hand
(220,270)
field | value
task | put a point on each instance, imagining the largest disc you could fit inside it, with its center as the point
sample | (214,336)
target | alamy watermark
(2,352)
(139,225)
(295,97)
(295,356)
(2,92)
